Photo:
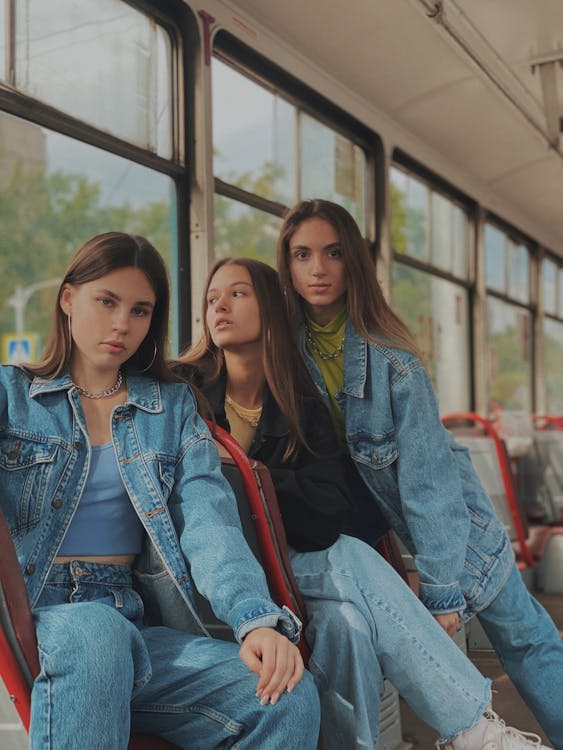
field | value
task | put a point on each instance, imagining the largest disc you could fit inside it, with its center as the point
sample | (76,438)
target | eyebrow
(113,295)
(233,283)
(300,246)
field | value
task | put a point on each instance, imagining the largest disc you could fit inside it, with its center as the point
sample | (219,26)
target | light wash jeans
(531,650)
(103,673)
(366,624)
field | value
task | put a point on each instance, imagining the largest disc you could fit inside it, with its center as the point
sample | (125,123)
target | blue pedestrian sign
(18,348)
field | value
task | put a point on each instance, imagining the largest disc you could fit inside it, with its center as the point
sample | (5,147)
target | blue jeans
(530,649)
(103,673)
(365,624)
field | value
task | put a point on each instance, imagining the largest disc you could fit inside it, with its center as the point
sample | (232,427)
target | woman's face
(233,313)
(317,269)
(110,318)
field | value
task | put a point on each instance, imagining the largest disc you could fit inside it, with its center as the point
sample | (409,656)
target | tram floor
(506,700)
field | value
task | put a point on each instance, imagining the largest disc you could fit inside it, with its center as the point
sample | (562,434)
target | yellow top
(243,422)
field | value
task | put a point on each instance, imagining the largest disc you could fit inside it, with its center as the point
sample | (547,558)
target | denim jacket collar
(142,392)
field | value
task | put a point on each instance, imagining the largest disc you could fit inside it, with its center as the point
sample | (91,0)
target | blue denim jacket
(170,468)
(422,479)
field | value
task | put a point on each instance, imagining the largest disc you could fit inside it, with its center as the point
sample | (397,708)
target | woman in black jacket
(364,622)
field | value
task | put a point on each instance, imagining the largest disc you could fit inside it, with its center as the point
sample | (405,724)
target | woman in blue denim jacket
(114,495)
(364,362)
(363,621)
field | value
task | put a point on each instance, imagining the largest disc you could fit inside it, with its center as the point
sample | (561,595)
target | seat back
(263,529)
(491,463)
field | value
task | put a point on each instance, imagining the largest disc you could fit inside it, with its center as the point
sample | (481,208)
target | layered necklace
(314,347)
(251,419)
(100,394)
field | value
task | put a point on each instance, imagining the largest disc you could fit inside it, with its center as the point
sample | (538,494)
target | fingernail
(274,699)
(289,688)
(264,700)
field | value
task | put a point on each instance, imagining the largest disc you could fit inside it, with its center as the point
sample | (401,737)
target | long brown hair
(284,370)
(367,308)
(97,257)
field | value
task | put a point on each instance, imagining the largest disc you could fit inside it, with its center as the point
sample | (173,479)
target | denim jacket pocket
(26,465)
(375,451)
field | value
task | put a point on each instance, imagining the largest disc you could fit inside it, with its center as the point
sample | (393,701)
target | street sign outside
(18,348)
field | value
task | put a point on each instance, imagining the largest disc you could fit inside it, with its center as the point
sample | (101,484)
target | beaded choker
(100,394)
(251,420)
(317,350)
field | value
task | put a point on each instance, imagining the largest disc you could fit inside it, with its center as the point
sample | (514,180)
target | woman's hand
(275,659)
(450,622)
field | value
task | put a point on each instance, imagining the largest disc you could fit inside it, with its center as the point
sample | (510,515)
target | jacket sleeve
(312,488)
(205,516)
(430,490)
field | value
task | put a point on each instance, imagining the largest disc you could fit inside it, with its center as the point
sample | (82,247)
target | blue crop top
(105,522)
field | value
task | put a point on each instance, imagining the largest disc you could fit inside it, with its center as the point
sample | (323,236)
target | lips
(221,323)
(116,346)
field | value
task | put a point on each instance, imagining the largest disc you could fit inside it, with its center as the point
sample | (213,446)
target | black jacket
(312,490)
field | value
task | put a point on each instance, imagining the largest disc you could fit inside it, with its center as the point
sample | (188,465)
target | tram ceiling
(478,82)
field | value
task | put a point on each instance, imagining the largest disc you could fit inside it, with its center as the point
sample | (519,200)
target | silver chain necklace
(315,347)
(100,394)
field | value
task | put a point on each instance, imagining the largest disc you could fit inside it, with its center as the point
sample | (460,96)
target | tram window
(270,147)
(519,272)
(243,230)
(509,355)
(55,193)
(507,265)
(253,136)
(449,228)
(437,313)
(549,274)
(103,62)
(332,167)
(410,215)
(495,271)
(560,307)
(3,40)
(553,353)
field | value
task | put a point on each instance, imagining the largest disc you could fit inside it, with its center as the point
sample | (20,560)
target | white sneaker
(500,737)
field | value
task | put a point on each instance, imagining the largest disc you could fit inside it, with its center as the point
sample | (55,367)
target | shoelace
(527,738)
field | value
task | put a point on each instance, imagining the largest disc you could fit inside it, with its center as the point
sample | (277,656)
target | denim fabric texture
(171,471)
(193,690)
(366,624)
(107,623)
(427,488)
(409,462)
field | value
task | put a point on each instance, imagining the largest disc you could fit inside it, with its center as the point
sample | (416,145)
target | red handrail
(542,420)
(491,432)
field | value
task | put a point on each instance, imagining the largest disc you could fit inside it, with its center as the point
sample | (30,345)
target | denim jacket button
(30,568)
(77,445)
(57,502)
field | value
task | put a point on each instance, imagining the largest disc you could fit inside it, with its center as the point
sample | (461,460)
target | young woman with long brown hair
(114,495)
(366,365)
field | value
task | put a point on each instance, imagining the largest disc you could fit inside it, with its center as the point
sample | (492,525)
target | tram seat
(534,545)
(19,662)
(263,530)
(548,468)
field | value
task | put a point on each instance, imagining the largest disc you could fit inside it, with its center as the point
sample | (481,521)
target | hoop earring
(150,364)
